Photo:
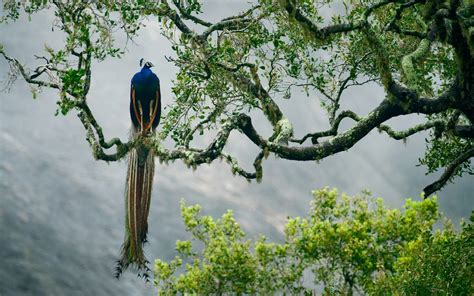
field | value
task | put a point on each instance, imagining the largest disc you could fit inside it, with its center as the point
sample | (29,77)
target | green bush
(345,245)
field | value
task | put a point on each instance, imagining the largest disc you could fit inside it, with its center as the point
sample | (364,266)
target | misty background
(62,212)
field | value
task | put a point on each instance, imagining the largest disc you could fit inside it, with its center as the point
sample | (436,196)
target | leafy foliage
(444,148)
(344,245)
(439,264)
(419,52)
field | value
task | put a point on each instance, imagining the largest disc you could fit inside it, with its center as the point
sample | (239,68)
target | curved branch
(408,60)
(397,135)
(194,157)
(330,132)
(231,24)
(448,173)
(317,33)
(98,146)
(400,135)
(420,52)
(236,169)
(190,16)
(175,18)
(407,102)
(392,26)
(341,142)
(91,119)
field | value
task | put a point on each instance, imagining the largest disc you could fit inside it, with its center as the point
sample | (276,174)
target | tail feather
(141,168)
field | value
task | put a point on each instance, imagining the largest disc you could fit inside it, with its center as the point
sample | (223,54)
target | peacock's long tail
(141,167)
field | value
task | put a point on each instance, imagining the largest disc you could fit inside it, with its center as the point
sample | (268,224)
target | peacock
(145,112)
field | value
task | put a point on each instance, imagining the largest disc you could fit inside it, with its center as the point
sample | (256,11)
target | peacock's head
(145,63)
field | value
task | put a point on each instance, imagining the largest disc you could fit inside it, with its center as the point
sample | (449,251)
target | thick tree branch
(407,102)
(448,173)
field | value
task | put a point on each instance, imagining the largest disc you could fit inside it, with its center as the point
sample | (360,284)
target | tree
(420,52)
(344,245)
